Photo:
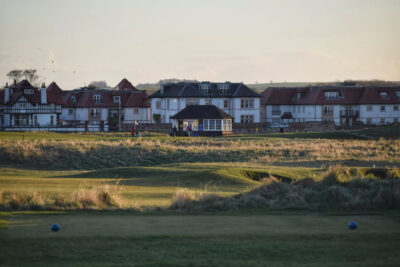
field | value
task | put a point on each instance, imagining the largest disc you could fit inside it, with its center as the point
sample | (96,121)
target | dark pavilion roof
(201,112)
(184,90)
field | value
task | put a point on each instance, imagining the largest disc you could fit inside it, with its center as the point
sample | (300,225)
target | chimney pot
(15,81)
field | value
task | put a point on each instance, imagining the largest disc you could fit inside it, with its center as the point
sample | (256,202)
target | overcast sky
(76,42)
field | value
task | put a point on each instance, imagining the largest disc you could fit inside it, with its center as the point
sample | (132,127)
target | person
(133,132)
(174,130)
(188,130)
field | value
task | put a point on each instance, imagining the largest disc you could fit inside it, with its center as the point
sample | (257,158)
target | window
(35,120)
(276,110)
(382,108)
(97,99)
(226,103)
(328,110)
(51,119)
(369,108)
(117,99)
(70,111)
(211,126)
(298,95)
(382,120)
(246,103)
(28,91)
(398,94)
(331,95)
(205,125)
(384,95)
(22,105)
(73,99)
(192,101)
(395,120)
(396,108)
(205,88)
(218,125)
(246,118)
(208,101)
(158,105)
(369,121)
(135,110)
(95,113)
(223,88)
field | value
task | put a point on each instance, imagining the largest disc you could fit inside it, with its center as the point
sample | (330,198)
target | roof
(348,95)
(201,112)
(85,98)
(124,84)
(53,93)
(183,89)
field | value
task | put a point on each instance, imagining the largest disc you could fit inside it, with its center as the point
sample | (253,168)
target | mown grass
(240,239)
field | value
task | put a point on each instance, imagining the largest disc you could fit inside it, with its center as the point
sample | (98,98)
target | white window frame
(135,110)
(97,99)
(117,99)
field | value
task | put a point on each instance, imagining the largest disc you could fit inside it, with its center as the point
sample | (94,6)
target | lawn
(258,223)
(252,238)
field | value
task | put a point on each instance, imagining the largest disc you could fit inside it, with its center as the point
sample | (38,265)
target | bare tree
(30,75)
(15,75)
(99,84)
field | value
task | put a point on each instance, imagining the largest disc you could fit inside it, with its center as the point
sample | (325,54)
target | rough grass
(341,188)
(95,154)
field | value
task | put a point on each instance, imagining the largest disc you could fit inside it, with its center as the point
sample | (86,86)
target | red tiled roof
(84,99)
(53,96)
(316,96)
(124,84)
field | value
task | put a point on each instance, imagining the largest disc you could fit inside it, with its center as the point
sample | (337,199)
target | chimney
(43,94)
(15,81)
(6,94)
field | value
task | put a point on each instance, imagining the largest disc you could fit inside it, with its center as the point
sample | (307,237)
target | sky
(74,42)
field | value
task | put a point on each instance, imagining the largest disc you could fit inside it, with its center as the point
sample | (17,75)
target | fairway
(208,239)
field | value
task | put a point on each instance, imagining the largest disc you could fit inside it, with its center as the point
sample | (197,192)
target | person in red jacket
(133,131)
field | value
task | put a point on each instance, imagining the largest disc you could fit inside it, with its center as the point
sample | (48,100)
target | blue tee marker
(55,227)
(353,225)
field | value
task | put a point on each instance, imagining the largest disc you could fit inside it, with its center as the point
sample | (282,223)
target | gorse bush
(103,197)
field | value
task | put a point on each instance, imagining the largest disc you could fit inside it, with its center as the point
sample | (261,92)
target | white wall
(389,115)
(142,116)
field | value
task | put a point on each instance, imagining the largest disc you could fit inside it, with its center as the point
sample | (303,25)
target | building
(203,120)
(236,99)
(110,109)
(25,106)
(342,105)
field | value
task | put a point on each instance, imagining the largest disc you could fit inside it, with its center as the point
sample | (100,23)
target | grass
(149,224)
(239,239)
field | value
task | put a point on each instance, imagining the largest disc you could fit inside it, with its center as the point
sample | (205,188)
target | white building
(236,99)
(105,108)
(25,106)
(343,105)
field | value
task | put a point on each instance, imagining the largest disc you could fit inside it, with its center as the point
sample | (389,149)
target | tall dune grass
(102,197)
(93,154)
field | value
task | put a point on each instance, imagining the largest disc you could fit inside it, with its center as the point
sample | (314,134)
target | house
(103,108)
(343,105)
(24,106)
(236,99)
(203,120)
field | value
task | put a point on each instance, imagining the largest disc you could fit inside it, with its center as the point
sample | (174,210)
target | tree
(30,75)
(15,75)
(99,84)
(157,118)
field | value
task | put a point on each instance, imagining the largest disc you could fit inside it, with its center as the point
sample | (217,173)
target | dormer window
(97,99)
(73,99)
(298,95)
(398,94)
(117,99)
(384,95)
(331,95)
(223,88)
(205,88)
(28,91)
